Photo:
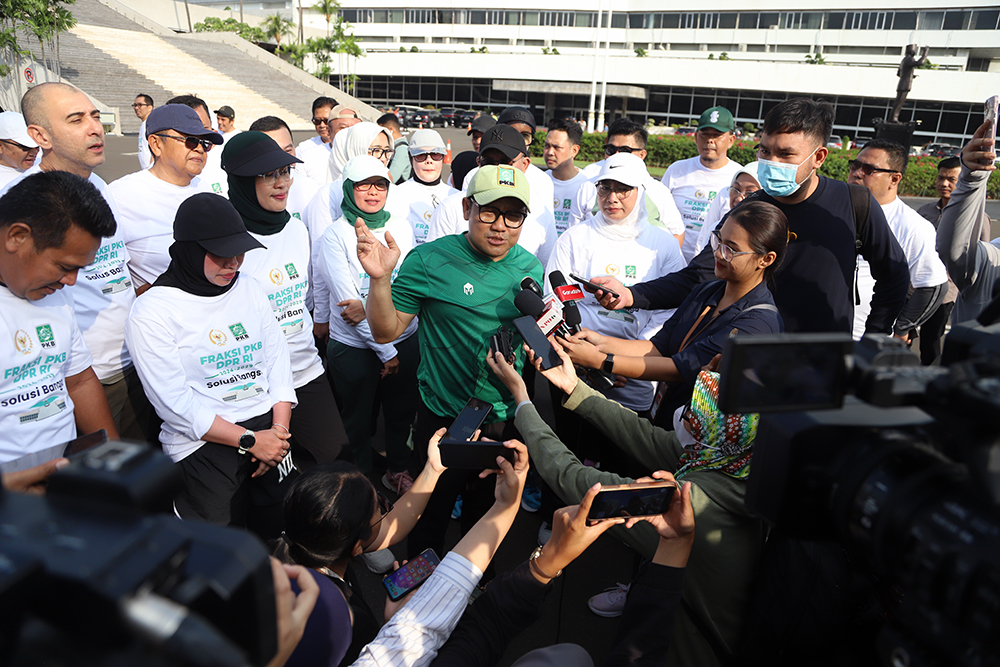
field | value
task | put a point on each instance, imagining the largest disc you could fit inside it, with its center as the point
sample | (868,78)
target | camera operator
(462,287)
(52,225)
(973,264)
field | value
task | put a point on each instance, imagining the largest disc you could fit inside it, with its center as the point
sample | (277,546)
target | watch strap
(609,364)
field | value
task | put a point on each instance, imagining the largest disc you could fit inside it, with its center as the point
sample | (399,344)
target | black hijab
(245,156)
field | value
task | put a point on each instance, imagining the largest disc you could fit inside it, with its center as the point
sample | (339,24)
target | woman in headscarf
(260,175)
(215,366)
(743,185)
(361,139)
(361,368)
(417,198)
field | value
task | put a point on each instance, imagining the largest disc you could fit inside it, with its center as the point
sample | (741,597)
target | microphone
(548,319)
(529,284)
(568,295)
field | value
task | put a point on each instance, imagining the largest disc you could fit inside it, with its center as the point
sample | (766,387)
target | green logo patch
(239,333)
(629,271)
(290,270)
(505,176)
(45,333)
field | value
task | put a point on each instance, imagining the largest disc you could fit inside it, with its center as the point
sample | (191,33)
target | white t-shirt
(694,186)
(719,207)
(147,206)
(226,136)
(7,174)
(281,268)
(315,155)
(586,251)
(41,347)
(416,202)
(918,238)
(322,210)
(103,293)
(145,155)
(337,261)
(300,194)
(200,356)
(213,177)
(564,196)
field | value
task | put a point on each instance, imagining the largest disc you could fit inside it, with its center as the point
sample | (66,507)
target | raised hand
(378,260)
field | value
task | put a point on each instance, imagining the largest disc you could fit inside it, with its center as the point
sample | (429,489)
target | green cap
(496,182)
(717,118)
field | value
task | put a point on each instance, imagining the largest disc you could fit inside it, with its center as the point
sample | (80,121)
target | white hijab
(629,227)
(356,141)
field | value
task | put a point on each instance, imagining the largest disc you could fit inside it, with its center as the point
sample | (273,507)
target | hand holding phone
(632,500)
(397,584)
(593,288)
(536,340)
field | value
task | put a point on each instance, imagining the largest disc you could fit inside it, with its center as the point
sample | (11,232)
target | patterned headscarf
(722,442)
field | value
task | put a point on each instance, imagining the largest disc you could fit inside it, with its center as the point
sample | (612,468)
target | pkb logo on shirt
(290,270)
(629,271)
(45,336)
(239,333)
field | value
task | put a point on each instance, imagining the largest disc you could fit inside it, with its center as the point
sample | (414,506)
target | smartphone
(536,340)
(85,442)
(630,500)
(469,420)
(992,112)
(475,454)
(591,287)
(405,579)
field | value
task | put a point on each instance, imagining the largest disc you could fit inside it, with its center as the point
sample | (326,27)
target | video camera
(88,576)
(899,463)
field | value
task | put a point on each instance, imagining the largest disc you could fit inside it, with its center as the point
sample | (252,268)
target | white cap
(750,170)
(361,167)
(13,128)
(426,141)
(625,168)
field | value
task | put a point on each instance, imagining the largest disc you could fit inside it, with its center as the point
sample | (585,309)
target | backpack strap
(861,206)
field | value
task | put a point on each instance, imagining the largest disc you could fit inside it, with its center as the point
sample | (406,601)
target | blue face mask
(778,179)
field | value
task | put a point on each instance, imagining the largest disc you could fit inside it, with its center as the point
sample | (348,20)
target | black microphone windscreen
(571,314)
(529,284)
(529,303)
(557,279)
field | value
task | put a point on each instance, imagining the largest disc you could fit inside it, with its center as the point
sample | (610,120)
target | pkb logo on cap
(505,176)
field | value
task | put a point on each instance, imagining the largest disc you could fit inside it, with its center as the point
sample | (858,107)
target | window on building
(618,20)
(529,18)
(904,21)
(496,17)
(513,18)
(748,20)
(396,16)
(985,19)
(727,20)
(957,20)
(477,17)
(790,20)
(445,16)
(689,21)
(709,20)
(670,21)
(350,15)
(586,19)
(812,20)
(768,19)
(930,20)
(380,16)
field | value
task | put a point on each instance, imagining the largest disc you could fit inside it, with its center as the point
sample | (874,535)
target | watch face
(247,440)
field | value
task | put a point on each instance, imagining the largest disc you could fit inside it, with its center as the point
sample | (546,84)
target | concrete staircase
(113,58)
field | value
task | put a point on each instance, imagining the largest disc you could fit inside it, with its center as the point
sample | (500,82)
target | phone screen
(469,419)
(992,111)
(411,575)
(85,442)
(536,340)
(631,502)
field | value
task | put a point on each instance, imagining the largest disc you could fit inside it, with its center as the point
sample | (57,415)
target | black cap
(226,111)
(481,124)
(213,223)
(252,153)
(505,139)
(517,115)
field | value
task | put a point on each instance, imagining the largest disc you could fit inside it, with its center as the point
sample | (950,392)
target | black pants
(931,332)
(477,494)
(317,431)
(219,489)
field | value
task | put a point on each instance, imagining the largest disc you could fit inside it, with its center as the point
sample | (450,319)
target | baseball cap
(625,168)
(361,167)
(213,223)
(426,141)
(259,157)
(180,118)
(342,111)
(505,139)
(717,118)
(481,124)
(517,115)
(750,169)
(226,111)
(496,182)
(13,128)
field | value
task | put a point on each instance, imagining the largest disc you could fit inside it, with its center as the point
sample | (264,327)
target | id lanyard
(663,385)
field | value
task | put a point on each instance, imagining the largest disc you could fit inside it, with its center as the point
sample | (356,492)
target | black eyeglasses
(727,252)
(512,219)
(364,186)
(190,143)
(868,169)
(610,150)
(378,153)
(285,174)
(18,146)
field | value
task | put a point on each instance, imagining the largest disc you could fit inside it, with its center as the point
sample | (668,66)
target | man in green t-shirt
(462,287)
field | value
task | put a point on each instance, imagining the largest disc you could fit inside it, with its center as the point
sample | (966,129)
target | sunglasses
(380,185)
(18,146)
(424,157)
(868,169)
(605,190)
(610,150)
(136,105)
(190,143)
(319,121)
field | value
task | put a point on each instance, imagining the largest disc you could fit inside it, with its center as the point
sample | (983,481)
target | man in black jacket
(814,290)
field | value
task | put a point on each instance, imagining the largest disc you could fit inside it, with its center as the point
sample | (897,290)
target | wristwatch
(534,557)
(247,441)
(609,364)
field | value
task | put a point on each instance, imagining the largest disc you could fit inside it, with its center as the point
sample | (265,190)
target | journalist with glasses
(147,200)
(748,249)
(363,370)
(416,198)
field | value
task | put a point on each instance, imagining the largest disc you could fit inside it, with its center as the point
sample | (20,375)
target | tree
(640,52)
(44,19)
(815,59)
(296,53)
(247,32)
(327,8)
(724,56)
(275,26)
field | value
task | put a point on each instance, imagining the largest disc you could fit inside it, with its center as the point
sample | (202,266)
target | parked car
(465,116)
(940,150)
(686,131)
(411,116)
(444,117)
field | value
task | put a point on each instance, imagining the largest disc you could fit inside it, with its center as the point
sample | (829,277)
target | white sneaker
(379,561)
(611,602)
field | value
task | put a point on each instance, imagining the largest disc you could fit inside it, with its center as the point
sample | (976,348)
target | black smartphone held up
(405,579)
(476,454)
(85,442)
(469,420)
(992,113)
(592,287)
(536,340)
(631,500)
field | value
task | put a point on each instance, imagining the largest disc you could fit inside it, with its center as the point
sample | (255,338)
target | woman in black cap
(215,366)
(260,177)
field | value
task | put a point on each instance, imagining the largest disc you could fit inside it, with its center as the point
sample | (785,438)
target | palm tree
(296,53)
(275,27)
(327,8)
